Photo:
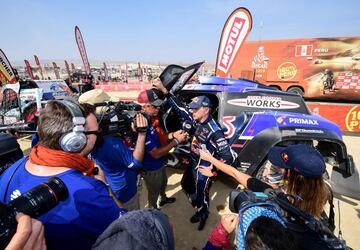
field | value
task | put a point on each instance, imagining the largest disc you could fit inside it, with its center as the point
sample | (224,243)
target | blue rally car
(255,118)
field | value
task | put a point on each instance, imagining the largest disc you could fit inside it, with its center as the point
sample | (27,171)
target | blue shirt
(151,142)
(119,166)
(74,223)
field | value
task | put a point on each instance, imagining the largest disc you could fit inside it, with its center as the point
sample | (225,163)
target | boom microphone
(19,127)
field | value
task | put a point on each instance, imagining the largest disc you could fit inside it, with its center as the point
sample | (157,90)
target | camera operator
(209,135)
(29,234)
(66,135)
(303,167)
(154,159)
(119,163)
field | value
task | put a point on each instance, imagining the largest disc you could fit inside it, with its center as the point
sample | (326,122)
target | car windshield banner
(7,74)
(29,70)
(81,46)
(260,101)
(236,29)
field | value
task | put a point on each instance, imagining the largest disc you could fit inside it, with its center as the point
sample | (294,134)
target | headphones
(75,140)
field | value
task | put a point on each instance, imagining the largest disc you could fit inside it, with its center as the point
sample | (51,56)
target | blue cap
(200,101)
(301,158)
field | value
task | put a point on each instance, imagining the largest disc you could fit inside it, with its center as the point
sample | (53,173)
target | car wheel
(296,90)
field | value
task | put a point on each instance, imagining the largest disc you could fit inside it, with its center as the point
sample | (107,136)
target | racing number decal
(230,128)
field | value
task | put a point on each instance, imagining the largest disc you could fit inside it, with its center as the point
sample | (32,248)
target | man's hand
(141,123)
(206,171)
(229,222)
(180,135)
(29,234)
(157,84)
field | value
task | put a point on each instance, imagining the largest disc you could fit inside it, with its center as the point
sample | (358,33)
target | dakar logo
(232,44)
(286,71)
(260,60)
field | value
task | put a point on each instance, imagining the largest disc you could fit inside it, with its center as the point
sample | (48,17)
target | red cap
(142,97)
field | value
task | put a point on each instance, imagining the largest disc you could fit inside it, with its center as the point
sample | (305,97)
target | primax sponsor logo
(303,121)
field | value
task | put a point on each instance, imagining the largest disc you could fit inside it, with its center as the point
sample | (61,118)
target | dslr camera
(34,203)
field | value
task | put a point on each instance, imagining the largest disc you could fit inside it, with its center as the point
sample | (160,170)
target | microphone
(18,127)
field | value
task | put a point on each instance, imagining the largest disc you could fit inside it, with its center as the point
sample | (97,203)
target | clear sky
(166,31)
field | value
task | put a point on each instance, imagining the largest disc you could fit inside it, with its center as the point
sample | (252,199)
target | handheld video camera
(296,220)
(116,117)
(34,203)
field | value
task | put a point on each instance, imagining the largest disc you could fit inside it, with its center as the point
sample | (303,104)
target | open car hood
(174,77)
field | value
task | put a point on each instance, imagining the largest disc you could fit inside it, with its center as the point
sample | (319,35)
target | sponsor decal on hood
(264,102)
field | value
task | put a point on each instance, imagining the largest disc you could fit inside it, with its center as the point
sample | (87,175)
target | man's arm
(138,153)
(178,137)
(174,102)
(139,150)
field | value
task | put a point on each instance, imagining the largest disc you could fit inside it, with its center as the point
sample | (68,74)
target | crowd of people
(102,174)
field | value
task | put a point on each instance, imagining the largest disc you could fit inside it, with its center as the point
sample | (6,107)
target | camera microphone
(18,127)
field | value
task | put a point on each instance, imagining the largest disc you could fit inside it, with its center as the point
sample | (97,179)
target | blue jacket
(74,223)
(120,167)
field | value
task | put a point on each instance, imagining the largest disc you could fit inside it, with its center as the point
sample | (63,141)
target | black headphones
(75,140)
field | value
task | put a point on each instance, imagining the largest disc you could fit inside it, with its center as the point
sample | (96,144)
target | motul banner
(7,74)
(81,46)
(56,70)
(29,70)
(39,66)
(236,29)
(68,71)
(72,68)
(106,73)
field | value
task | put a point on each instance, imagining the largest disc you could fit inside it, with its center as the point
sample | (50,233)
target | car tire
(296,90)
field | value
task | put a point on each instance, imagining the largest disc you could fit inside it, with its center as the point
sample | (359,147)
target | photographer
(119,163)
(207,134)
(66,135)
(303,168)
(154,161)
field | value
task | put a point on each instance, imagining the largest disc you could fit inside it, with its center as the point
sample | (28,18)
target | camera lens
(41,199)
(34,203)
